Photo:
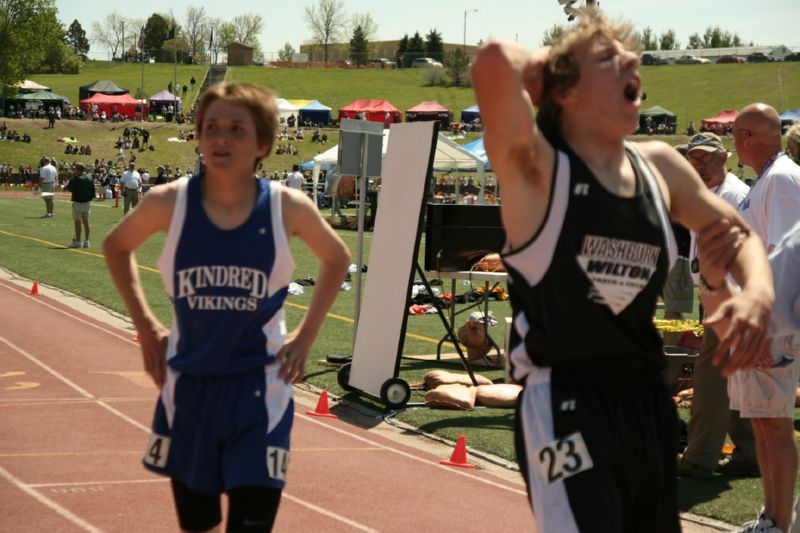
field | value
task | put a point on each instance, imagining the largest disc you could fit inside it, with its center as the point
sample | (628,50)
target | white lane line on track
(329,514)
(47,502)
(91,483)
(54,308)
(80,390)
(411,456)
(144,428)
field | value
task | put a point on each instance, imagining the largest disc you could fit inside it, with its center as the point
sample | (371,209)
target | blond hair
(259,101)
(793,140)
(562,72)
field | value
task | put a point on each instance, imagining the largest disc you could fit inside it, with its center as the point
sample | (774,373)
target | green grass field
(35,247)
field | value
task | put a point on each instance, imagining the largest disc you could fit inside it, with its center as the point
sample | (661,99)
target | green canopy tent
(31,100)
(657,116)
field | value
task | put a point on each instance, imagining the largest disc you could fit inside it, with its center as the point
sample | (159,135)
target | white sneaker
(85,244)
(75,244)
(762,525)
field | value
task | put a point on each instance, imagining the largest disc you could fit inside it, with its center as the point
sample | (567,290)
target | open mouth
(632,90)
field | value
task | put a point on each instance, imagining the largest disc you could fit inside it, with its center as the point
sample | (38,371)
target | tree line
(713,37)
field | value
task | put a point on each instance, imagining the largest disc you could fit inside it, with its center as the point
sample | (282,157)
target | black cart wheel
(395,393)
(343,378)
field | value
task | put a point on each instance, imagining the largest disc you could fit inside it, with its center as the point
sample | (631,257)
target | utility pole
(464,46)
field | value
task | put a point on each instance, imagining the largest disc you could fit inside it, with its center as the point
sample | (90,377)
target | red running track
(75,410)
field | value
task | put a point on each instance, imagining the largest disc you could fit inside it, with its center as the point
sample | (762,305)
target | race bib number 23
(564,457)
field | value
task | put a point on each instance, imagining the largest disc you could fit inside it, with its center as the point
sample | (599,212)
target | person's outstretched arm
(697,208)
(302,219)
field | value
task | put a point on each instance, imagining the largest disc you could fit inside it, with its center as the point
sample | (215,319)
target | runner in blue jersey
(588,243)
(225,369)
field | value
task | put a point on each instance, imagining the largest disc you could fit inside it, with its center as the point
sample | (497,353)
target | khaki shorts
(679,288)
(80,211)
(48,187)
(768,392)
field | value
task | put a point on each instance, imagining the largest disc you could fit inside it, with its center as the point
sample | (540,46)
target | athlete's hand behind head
(532,76)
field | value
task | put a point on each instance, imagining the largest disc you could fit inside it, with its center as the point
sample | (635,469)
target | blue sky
(763,22)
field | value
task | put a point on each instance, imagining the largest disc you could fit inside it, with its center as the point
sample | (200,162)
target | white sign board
(391,257)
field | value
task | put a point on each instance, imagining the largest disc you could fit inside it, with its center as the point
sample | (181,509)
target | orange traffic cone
(322,407)
(459,456)
(34,289)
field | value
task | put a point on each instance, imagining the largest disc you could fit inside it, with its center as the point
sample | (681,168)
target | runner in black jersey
(588,247)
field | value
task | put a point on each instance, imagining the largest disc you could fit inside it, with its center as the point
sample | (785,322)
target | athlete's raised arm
(508,84)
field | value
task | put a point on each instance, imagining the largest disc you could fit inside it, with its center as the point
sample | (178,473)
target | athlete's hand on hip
(743,321)
(293,357)
(153,339)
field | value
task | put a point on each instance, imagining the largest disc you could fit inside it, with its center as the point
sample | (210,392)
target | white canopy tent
(285,109)
(449,157)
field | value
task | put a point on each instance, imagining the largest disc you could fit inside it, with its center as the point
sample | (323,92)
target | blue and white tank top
(227,286)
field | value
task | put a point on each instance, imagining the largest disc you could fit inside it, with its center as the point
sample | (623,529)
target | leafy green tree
(416,48)
(358,47)
(154,34)
(23,41)
(695,41)
(76,39)
(434,46)
(402,51)
(648,39)
(553,34)
(286,53)
(668,41)
(457,66)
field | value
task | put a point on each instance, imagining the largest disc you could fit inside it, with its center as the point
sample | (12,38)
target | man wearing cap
(132,184)
(47,184)
(711,417)
(81,185)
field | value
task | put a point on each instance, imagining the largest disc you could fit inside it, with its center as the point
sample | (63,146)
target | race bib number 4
(157,450)
(564,457)
(277,462)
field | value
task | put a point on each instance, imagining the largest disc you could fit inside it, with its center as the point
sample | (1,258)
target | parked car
(653,59)
(731,59)
(761,57)
(426,62)
(792,57)
(691,60)
(382,62)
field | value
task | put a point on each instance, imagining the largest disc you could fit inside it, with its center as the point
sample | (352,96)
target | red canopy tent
(124,104)
(374,110)
(430,110)
(721,123)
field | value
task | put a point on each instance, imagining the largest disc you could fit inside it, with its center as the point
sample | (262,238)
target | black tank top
(583,289)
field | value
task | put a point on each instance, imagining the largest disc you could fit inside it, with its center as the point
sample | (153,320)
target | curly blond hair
(793,141)
(562,72)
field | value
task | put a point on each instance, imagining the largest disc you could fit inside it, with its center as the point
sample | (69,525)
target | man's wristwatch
(705,287)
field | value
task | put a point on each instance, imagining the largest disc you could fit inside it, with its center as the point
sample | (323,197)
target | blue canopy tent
(316,113)
(789,117)
(476,147)
(471,113)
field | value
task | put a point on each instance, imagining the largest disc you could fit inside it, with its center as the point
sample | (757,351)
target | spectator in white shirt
(132,185)
(295,179)
(47,184)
